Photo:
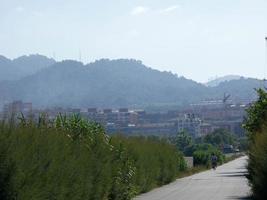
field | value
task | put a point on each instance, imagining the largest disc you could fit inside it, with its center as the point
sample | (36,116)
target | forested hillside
(112,83)
(22,66)
(217,81)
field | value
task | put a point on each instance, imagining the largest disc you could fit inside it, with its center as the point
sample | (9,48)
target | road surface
(226,182)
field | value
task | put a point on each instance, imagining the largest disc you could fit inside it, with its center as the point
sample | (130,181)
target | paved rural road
(226,182)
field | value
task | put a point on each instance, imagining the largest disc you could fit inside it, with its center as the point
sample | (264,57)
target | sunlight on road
(227,182)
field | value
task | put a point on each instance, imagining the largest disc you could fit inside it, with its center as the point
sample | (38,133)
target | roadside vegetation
(202,148)
(71,158)
(256,126)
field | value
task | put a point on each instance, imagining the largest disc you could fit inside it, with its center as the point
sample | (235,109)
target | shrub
(257,166)
(74,159)
(255,124)
(156,161)
(202,155)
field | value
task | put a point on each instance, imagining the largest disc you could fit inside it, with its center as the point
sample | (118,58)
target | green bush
(220,137)
(257,166)
(156,161)
(74,159)
(255,124)
(202,154)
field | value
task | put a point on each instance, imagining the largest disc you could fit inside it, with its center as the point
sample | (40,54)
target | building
(17,108)
(198,121)
(189,123)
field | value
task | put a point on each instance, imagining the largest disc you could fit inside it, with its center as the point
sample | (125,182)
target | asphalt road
(226,182)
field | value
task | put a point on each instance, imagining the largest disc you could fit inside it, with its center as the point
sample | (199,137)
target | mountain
(217,81)
(8,70)
(32,63)
(104,83)
(241,90)
(116,83)
(22,66)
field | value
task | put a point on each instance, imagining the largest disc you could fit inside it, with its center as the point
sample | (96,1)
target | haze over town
(195,39)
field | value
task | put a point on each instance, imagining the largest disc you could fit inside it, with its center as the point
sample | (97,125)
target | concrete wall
(189,161)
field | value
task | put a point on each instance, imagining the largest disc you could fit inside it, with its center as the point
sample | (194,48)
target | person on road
(214,161)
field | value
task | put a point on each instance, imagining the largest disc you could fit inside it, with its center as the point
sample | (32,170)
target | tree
(257,115)
(220,137)
(255,124)
(183,140)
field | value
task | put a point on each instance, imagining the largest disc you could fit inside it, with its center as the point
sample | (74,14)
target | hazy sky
(198,39)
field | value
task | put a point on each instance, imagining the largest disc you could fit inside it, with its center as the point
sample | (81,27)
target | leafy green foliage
(255,124)
(202,154)
(257,166)
(157,162)
(243,144)
(220,137)
(257,115)
(71,158)
(183,140)
(6,169)
(202,148)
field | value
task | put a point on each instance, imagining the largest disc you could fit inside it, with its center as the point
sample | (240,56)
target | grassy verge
(234,156)
(192,171)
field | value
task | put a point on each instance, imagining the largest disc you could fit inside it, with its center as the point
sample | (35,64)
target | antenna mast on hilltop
(80,55)
(54,55)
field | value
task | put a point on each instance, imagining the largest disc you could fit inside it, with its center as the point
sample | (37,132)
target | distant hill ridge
(22,66)
(109,83)
(215,82)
